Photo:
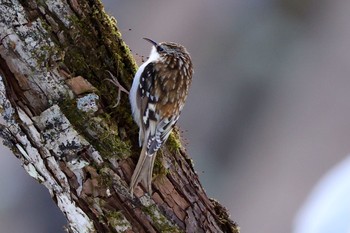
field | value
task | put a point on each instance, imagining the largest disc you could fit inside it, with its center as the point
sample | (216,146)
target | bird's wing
(157,127)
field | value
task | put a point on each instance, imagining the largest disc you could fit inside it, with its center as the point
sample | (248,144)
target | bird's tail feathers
(143,171)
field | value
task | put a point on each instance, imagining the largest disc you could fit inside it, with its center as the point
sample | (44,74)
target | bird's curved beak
(151,41)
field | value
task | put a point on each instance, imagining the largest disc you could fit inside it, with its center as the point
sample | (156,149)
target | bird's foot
(115,81)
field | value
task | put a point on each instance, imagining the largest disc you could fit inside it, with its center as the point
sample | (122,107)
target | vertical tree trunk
(59,120)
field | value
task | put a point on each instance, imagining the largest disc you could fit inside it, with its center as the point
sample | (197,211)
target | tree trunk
(60,121)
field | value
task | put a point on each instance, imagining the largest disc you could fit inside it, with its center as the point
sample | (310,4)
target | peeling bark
(60,122)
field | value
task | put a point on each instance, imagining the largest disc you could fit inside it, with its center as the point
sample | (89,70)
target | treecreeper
(157,97)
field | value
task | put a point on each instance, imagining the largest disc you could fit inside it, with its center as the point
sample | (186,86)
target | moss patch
(117,220)
(101,132)
(173,143)
(103,47)
(159,169)
(160,222)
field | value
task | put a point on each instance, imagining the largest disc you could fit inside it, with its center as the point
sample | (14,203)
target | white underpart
(135,85)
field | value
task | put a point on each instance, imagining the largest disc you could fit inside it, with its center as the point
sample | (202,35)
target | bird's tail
(143,171)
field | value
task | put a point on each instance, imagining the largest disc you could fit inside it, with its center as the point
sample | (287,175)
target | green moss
(111,144)
(104,48)
(159,169)
(173,143)
(92,46)
(101,132)
(111,37)
(118,221)
(160,221)
(105,178)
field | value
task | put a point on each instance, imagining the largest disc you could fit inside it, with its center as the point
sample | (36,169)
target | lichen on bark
(54,56)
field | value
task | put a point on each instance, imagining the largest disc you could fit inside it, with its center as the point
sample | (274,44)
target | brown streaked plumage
(157,96)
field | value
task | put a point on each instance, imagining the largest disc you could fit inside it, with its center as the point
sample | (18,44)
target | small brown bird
(157,96)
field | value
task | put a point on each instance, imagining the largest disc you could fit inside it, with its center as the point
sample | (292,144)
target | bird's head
(169,52)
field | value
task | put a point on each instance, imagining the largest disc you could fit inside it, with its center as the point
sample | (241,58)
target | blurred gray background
(267,115)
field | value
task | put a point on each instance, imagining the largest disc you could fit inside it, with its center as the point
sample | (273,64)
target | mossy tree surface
(59,120)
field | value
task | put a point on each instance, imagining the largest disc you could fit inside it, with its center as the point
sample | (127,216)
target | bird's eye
(160,48)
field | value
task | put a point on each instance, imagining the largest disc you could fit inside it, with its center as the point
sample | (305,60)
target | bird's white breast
(136,83)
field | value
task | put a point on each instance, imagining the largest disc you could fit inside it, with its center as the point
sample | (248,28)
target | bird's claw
(115,81)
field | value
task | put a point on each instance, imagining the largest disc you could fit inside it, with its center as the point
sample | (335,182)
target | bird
(157,96)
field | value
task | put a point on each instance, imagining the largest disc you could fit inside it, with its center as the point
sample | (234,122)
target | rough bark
(59,120)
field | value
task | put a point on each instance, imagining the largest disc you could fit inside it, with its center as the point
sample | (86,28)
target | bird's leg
(115,81)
